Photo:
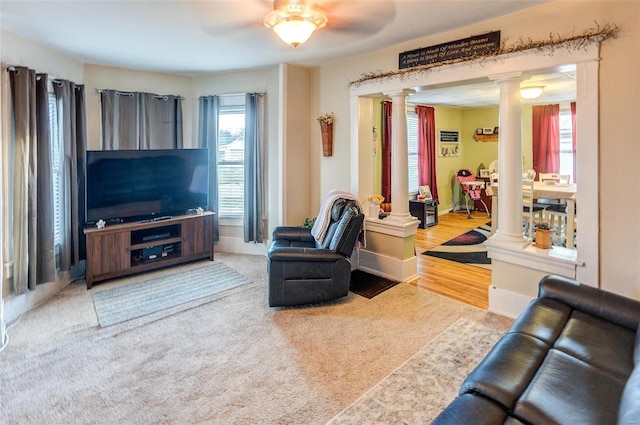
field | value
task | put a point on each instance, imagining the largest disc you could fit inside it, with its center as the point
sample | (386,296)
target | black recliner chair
(303,271)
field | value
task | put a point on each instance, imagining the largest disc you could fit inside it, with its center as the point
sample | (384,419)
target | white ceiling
(199,37)
(559,86)
(194,37)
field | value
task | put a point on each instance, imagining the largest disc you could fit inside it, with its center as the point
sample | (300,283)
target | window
(412,140)
(566,142)
(231,156)
(57,162)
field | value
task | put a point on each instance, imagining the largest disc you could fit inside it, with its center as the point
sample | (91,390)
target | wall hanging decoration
(326,129)
(449,143)
(546,47)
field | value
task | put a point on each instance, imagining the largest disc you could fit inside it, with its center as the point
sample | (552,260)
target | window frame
(230,104)
(57,171)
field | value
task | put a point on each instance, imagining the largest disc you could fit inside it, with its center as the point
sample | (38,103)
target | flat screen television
(136,185)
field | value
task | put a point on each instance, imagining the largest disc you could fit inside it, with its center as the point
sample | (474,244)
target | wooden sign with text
(477,45)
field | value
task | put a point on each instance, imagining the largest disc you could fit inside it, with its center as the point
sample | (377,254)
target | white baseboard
(391,268)
(14,306)
(507,303)
(239,246)
(17,305)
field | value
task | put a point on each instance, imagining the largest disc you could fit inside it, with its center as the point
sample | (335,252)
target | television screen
(130,185)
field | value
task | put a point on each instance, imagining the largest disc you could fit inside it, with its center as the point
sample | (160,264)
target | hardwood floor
(469,284)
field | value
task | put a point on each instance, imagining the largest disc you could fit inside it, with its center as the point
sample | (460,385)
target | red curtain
(573,135)
(546,138)
(427,148)
(386,150)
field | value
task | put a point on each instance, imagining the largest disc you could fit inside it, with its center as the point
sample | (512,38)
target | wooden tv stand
(122,249)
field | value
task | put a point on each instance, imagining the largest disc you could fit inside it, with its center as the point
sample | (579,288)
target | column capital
(399,92)
(507,76)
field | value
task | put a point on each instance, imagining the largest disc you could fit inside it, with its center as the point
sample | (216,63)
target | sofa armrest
(597,302)
(304,254)
(291,233)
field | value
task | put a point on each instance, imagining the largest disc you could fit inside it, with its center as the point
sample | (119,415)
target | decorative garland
(574,42)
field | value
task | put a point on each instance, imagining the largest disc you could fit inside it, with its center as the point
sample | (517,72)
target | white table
(544,190)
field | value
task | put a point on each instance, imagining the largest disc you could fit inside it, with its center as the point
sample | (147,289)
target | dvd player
(155,237)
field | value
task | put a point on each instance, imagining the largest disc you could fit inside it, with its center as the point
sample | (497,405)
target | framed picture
(485,173)
(425,191)
(449,142)
(495,130)
(487,130)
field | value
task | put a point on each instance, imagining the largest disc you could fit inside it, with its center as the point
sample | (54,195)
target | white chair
(554,177)
(530,210)
(556,209)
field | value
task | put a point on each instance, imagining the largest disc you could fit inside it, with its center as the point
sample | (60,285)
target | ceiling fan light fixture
(294,22)
(531,92)
(294,31)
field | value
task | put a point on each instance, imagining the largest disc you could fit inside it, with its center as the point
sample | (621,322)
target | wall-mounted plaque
(477,45)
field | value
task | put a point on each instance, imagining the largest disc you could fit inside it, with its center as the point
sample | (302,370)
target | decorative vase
(374,210)
(543,238)
(327,138)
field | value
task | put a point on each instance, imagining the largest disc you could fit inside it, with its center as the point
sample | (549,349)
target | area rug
(468,248)
(369,285)
(421,388)
(122,303)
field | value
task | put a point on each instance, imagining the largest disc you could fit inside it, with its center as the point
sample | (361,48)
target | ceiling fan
(294,20)
(335,18)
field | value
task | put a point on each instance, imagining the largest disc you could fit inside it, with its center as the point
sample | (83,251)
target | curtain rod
(156,96)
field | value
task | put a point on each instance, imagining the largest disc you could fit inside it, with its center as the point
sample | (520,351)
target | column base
(390,248)
(392,268)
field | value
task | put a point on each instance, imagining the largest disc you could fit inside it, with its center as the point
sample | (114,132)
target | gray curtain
(253,166)
(209,107)
(44,239)
(134,120)
(31,194)
(71,101)
(23,91)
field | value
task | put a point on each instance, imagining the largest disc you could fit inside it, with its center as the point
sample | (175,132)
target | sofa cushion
(328,237)
(598,342)
(342,230)
(569,391)
(630,403)
(506,371)
(283,243)
(606,305)
(469,409)
(543,318)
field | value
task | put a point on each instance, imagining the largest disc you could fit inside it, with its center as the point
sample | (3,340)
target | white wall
(619,105)
(18,51)
(296,146)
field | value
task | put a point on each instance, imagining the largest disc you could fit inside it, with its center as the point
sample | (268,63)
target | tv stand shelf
(123,249)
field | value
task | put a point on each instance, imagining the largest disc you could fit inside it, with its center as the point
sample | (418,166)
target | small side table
(426,211)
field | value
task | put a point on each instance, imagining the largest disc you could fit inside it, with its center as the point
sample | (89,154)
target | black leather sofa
(303,271)
(572,357)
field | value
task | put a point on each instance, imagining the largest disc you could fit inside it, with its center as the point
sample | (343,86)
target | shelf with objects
(122,249)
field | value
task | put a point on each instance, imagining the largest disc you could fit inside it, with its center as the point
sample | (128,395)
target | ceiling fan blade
(362,17)
(227,18)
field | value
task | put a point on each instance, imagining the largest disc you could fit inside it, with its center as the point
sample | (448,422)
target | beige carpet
(226,359)
(420,389)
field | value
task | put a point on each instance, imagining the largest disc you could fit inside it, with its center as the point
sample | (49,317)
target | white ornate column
(509,160)
(390,249)
(399,157)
